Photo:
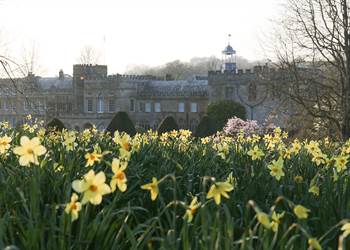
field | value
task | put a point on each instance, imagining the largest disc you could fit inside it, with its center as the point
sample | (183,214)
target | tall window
(193,107)
(132,105)
(6,104)
(89,105)
(148,107)
(14,105)
(141,107)
(99,104)
(111,105)
(181,107)
(157,107)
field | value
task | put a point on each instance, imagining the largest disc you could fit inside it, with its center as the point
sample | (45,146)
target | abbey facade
(92,97)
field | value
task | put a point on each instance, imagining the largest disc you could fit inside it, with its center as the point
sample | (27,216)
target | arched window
(252,92)
(100,107)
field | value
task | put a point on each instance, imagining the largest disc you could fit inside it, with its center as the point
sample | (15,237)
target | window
(157,107)
(6,104)
(132,105)
(14,105)
(89,105)
(193,107)
(141,107)
(148,107)
(111,105)
(181,107)
(41,105)
(100,105)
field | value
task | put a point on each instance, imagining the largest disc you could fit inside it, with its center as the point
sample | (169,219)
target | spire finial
(229,38)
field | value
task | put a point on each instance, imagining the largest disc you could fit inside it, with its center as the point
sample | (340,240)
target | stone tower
(82,73)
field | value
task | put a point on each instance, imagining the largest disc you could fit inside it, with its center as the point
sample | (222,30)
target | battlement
(132,77)
(89,71)
(254,70)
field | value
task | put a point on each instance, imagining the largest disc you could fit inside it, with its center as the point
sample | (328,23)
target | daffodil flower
(29,150)
(119,178)
(256,153)
(73,207)
(93,157)
(153,188)
(92,186)
(5,143)
(219,189)
(314,244)
(276,168)
(301,212)
(192,209)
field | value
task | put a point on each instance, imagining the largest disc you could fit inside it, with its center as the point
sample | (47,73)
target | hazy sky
(150,32)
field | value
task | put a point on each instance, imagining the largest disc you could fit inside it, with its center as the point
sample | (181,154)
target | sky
(133,32)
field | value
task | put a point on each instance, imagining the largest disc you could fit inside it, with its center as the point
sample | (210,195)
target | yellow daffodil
(301,212)
(287,154)
(231,179)
(92,186)
(264,219)
(312,147)
(314,190)
(314,244)
(296,146)
(192,209)
(340,162)
(276,168)
(91,158)
(346,229)
(5,143)
(218,189)
(153,188)
(256,153)
(29,150)
(73,207)
(69,141)
(298,179)
(119,179)
(319,158)
(276,220)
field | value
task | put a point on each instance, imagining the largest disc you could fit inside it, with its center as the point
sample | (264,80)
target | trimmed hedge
(121,123)
(220,111)
(55,124)
(205,127)
(168,124)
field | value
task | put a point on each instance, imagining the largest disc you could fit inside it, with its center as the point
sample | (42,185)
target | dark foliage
(167,125)
(219,112)
(122,123)
(206,127)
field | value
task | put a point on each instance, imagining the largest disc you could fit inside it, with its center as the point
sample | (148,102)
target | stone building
(92,97)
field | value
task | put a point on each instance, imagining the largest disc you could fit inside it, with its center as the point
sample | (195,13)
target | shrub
(121,123)
(221,111)
(167,125)
(55,124)
(205,127)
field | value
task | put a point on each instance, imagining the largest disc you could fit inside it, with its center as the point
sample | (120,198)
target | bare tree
(314,56)
(89,55)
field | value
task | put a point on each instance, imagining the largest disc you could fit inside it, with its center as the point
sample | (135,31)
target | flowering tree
(236,125)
